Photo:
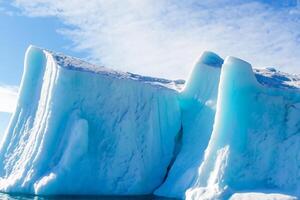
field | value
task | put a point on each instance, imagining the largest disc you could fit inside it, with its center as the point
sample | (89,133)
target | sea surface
(4,196)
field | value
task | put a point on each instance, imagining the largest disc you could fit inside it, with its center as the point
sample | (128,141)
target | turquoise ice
(79,129)
(255,142)
(83,129)
(198,104)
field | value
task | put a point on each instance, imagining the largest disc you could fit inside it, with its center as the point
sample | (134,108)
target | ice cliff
(79,129)
(82,129)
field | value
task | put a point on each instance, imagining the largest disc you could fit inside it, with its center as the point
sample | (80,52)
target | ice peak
(33,48)
(211,59)
(204,76)
(230,60)
(238,71)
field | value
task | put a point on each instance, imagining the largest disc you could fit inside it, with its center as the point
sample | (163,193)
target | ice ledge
(76,64)
(266,77)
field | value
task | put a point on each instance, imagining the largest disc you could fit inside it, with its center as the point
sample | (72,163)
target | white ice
(230,132)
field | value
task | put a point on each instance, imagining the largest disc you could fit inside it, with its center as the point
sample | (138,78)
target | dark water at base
(29,197)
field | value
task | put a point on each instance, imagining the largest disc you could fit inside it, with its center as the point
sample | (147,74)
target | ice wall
(198,103)
(80,129)
(255,142)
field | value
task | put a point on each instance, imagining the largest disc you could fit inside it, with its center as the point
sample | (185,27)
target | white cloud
(163,38)
(8,98)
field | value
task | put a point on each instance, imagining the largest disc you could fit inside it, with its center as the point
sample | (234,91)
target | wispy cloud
(8,98)
(163,37)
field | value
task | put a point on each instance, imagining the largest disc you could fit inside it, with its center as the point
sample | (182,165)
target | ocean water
(4,196)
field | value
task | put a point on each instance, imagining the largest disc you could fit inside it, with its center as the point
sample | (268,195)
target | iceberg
(228,132)
(81,129)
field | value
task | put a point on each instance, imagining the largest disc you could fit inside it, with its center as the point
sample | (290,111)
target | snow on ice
(229,132)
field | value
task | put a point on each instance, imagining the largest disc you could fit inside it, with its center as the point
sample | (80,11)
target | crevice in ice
(176,151)
(177,148)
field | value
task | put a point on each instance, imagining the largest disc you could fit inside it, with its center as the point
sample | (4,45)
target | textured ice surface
(255,140)
(230,133)
(198,103)
(78,129)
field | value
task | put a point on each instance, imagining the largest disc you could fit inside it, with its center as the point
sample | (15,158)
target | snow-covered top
(270,77)
(73,63)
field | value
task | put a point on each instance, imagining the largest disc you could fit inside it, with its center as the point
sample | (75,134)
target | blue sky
(151,37)
(17,33)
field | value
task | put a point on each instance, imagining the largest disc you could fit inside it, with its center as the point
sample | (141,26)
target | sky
(161,38)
